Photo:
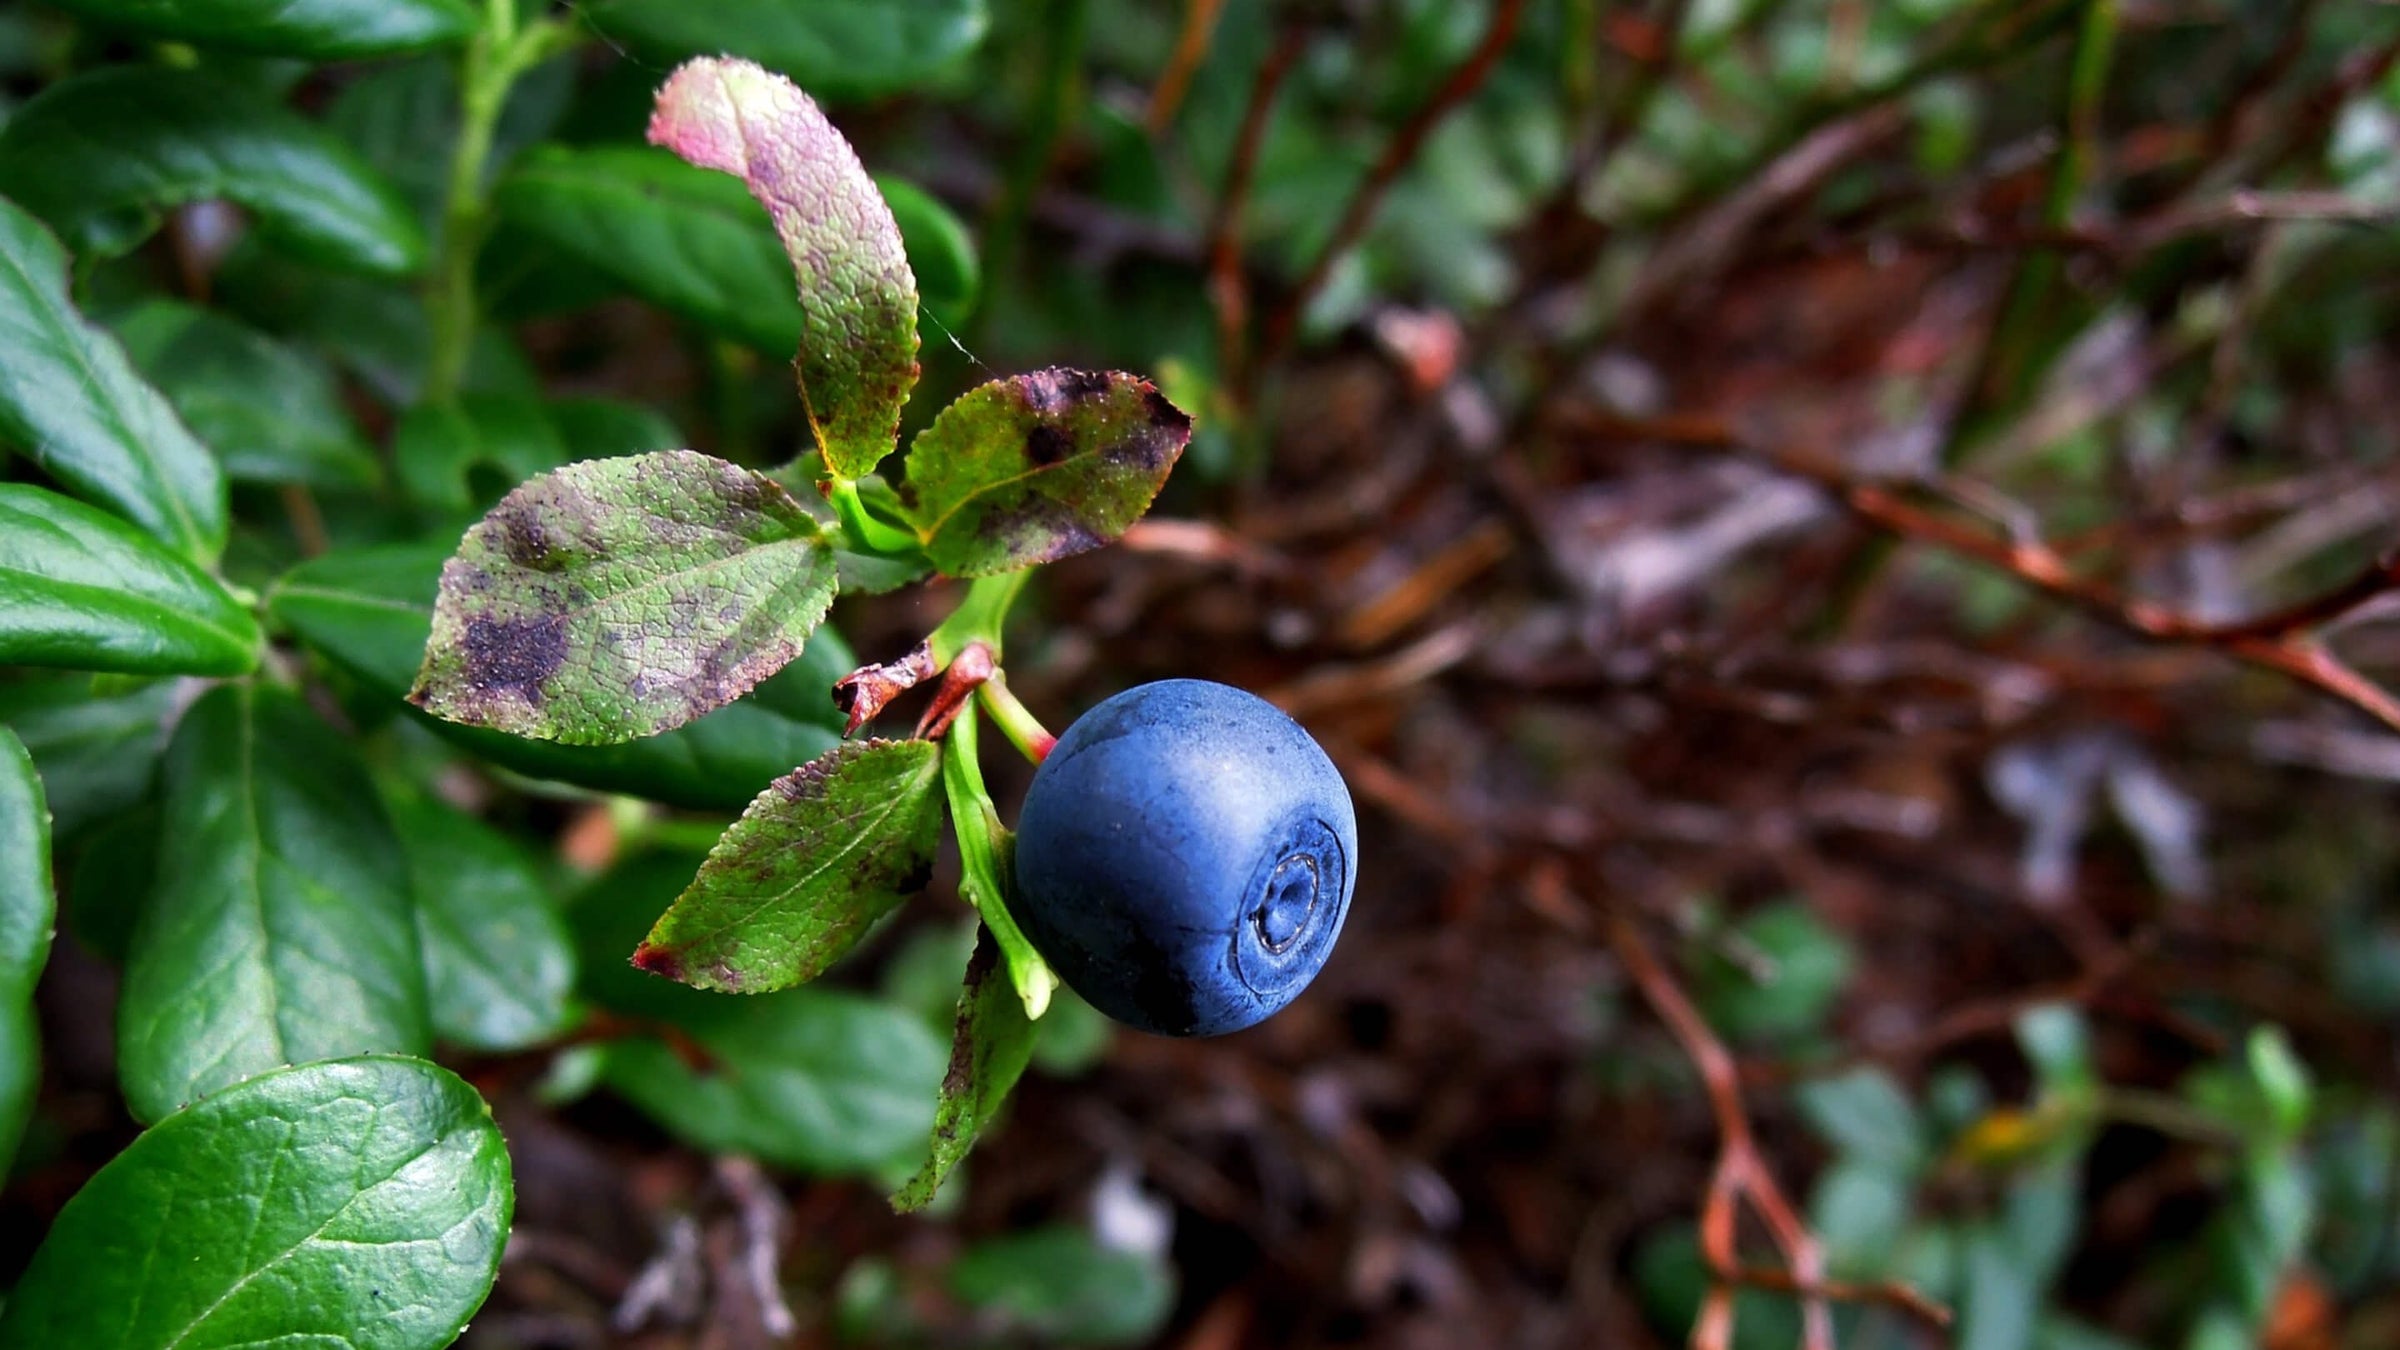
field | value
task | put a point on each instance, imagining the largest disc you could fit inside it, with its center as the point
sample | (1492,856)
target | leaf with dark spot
(620,598)
(987,1056)
(858,298)
(823,853)
(1039,467)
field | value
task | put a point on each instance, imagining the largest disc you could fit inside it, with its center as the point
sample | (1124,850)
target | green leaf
(374,330)
(114,873)
(858,352)
(940,251)
(852,47)
(371,610)
(2282,1079)
(278,932)
(988,1054)
(825,852)
(2000,1297)
(439,447)
(104,155)
(96,750)
(808,1078)
(623,597)
(28,915)
(71,403)
(1056,1285)
(2058,1046)
(1865,1115)
(83,589)
(359,1203)
(687,239)
(606,428)
(324,30)
(1039,467)
(1797,968)
(271,410)
(499,965)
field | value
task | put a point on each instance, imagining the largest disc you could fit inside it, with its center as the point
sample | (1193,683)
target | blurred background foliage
(1542,350)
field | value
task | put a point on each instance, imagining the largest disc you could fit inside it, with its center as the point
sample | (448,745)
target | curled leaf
(858,298)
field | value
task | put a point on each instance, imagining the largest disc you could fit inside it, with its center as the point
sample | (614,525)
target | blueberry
(1185,856)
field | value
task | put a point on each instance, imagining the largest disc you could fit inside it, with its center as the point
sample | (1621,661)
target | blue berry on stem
(1185,858)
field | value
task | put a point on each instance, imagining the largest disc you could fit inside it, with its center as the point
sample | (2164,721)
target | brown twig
(1403,147)
(1740,1172)
(1228,288)
(1191,47)
(2279,640)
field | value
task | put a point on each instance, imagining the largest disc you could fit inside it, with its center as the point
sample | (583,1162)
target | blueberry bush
(1806,585)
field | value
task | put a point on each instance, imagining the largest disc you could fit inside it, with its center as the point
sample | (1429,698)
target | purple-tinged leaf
(858,298)
(823,853)
(987,1055)
(1039,467)
(620,598)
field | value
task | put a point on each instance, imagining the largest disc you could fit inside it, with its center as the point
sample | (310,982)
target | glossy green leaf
(28,915)
(852,47)
(370,611)
(271,410)
(1039,467)
(940,251)
(104,155)
(687,239)
(988,1053)
(71,403)
(858,349)
(359,1203)
(439,449)
(82,589)
(499,965)
(280,931)
(375,330)
(97,750)
(623,597)
(822,855)
(114,873)
(810,1079)
(1057,1286)
(324,30)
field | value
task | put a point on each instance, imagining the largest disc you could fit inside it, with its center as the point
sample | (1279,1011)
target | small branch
(1191,47)
(1403,147)
(1741,1172)
(1228,288)
(2277,641)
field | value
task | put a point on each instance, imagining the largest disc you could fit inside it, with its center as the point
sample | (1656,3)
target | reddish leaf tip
(658,961)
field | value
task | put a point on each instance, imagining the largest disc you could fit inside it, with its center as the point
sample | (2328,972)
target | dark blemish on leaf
(1082,386)
(527,540)
(917,878)
(1038,529)
(1046,445)
(658,961)
(1041,391)
(1163,413)
(907,493)
(514,653)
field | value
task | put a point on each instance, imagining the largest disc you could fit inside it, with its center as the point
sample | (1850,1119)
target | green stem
(979,617)
(493,60)
(865,528)
(983,847)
